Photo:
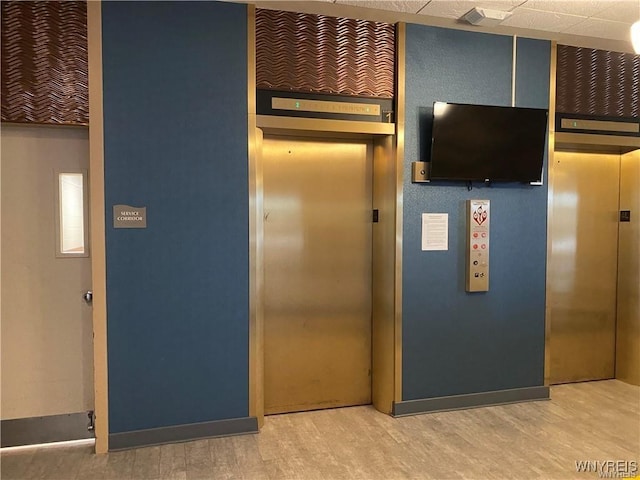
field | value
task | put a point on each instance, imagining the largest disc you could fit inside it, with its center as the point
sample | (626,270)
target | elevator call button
(477,261)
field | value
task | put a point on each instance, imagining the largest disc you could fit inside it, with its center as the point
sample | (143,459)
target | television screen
(487,143)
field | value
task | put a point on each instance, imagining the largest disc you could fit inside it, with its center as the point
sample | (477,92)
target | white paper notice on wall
(435,231)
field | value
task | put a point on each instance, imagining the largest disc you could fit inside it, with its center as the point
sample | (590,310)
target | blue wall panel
(456,342)
(532,73)
(175,126)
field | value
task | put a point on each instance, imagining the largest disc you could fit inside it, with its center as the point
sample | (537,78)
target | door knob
(88,296)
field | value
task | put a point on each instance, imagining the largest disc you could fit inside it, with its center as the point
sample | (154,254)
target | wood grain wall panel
(44,62)
(320,54)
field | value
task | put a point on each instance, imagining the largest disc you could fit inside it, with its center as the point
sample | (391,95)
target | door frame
(569,141)
(579,143)
(97,227)
(386,280)
(628,316)
(388,167)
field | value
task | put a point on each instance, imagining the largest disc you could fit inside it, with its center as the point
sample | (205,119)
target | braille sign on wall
(126,216)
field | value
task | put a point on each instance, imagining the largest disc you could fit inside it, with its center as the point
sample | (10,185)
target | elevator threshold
(590,380)
(318,409)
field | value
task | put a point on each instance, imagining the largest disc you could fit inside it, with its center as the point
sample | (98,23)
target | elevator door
(583,266)
(317,273)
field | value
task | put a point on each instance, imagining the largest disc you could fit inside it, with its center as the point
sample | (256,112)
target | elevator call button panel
(477,271)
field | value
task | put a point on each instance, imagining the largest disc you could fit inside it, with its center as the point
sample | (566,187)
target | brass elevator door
(583,266)
(317,273)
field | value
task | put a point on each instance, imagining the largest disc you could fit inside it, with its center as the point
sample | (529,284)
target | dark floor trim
(47,429)
(182,433)
(472,400)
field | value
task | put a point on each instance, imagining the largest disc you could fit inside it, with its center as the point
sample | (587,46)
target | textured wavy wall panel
(597,82)
(44,62)
(315,53)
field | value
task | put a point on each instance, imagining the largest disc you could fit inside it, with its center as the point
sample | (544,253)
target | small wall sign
(126,216)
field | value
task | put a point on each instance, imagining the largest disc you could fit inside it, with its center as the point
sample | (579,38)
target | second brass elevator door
(317,273)
(583,266)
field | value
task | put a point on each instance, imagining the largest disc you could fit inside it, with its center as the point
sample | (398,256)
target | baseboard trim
(182,433)
(45,429)
(472,400)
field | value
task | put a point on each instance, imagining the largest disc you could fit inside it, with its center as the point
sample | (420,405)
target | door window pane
(72,228)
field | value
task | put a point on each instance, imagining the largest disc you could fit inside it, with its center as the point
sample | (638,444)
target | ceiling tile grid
(542,20)
(601,28)
(411,6)
(457,8)
(606,19)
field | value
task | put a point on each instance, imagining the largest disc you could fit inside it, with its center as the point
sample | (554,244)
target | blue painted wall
(175,127)
(455,342)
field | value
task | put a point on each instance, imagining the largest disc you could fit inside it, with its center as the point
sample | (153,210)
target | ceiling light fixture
(485,17)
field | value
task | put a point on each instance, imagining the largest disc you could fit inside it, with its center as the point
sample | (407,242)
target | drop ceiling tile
(457,8)
(571,7)
(598,28)
(541,20)
(411,6)
(627,11)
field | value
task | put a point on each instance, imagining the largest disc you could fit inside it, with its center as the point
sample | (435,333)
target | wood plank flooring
(595,421)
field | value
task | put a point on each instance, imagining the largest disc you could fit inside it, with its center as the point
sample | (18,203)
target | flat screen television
(487,143)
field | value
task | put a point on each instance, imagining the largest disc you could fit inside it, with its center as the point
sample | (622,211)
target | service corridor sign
(126,216)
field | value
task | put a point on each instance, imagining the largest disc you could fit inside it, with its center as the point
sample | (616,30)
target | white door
(47,346)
